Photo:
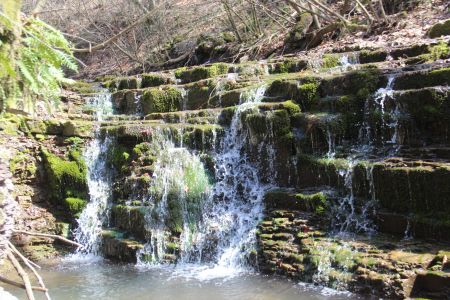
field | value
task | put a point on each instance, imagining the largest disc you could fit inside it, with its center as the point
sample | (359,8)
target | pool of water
(99,279)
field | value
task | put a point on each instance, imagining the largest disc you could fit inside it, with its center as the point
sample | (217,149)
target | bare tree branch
(22,273)
(53,236)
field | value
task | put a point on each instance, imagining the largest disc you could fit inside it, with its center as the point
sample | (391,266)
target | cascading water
(235,206)
(99,182)
(347,217)
(223,234)
(176,193)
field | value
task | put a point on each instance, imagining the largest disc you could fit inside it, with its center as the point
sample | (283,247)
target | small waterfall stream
(220,229)
(235,206)
(99,181)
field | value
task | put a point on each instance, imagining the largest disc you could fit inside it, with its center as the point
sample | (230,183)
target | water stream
(94,215)
(217,242)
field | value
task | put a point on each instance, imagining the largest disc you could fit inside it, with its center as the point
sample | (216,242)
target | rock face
(358,155)
(7,206)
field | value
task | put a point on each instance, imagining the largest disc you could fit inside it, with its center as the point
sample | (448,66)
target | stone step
(116,247)
(194,136)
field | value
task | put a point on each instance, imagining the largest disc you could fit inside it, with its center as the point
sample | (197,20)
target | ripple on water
(82,279)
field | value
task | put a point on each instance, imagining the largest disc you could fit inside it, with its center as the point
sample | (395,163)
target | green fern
(37,70)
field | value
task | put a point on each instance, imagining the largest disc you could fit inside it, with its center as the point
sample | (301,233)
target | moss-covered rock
(75,206)
(65,178)
(22,165)
(130,219)
(367,56)
(417,187)
(313,171)
(421,79)
(161,100)
(154,80)
(288,66)
(439,29)
(116,247)
(282,199)
(203,72)
(78,128)
(330,61)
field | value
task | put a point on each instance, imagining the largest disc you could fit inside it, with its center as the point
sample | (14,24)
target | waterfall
(99,181)
(347,217)
(220,229)
(235,205)
(175,195)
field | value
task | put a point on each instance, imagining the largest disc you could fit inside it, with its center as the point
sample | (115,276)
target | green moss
(74,141)
(307,94)
(66,178)
(198,95)
(156,100)
(81,87)
(367,80)
(440,51)
(153,80)
(140,149)
(127,83)
(330,61)
(286,66)
(366,56)
(198,73)
(172,247)
(417,80)
(291,107)
(75,206)
(119,157)
(440,29)
(22,166)
(312,202)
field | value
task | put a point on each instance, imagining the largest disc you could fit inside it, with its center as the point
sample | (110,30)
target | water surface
(104,280)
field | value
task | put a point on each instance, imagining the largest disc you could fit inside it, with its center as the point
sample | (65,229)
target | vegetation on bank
(33,57)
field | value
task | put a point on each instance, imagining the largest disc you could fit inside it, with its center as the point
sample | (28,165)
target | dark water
(103,280)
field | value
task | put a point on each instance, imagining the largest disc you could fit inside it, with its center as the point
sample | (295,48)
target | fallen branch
(29,264)
(22,273)
(53,236)
(21,285)
(168,62)
(21,256)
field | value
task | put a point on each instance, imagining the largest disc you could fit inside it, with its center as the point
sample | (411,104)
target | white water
(219,242)
(99,182)
(347,217)
(235,206)
(381,95)
(179,179)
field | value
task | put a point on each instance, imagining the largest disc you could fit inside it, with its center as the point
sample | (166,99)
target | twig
(30,266)
(115,37)
(53,236)
(383,12)
(22,273)
(321,5)
(366,12)
(21,256)
(21,285)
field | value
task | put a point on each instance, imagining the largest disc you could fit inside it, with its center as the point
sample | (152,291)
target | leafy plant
(33,56)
